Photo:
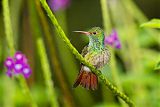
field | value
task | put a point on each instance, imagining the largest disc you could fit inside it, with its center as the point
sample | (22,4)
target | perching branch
(80,58)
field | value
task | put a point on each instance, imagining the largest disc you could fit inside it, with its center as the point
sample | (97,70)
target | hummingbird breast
(98,58)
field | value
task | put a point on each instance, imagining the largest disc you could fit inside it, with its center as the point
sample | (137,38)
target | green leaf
(154,23)
(157,67)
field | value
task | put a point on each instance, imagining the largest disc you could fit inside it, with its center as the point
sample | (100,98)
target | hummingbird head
(96,37)
(96,33)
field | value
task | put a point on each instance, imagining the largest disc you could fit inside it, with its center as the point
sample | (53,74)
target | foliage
(133,69)
(154,23)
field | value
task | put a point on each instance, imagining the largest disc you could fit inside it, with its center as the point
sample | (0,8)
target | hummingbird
(97,54)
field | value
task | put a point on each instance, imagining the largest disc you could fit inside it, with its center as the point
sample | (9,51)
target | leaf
(157,67)
(154,23)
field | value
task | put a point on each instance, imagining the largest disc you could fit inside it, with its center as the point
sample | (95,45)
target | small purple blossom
(113,40)
(9,73)
(17,65)
(56,5)
(9,63)
(26,71)
(19,57)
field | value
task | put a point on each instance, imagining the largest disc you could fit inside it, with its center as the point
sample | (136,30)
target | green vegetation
(43,32)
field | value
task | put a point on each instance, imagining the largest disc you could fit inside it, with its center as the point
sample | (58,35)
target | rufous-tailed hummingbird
(95,53)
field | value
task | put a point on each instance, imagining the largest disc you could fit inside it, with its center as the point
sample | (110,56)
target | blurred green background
(132,68)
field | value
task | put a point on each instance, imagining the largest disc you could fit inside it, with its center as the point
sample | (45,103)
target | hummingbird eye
(94,33)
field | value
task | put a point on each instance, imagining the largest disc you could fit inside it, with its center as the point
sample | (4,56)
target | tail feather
(94,82)
(83,80)
(78,80)
(87,80)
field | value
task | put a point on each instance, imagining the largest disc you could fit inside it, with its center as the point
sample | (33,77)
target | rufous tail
(87,80)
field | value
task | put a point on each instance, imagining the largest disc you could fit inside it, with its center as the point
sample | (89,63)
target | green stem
(134,51)
(8,31)
(26,90)
(107,25)
(10,41)
(8,26)
(55,61)
(46,72)
(42,55)
(80,58)
(106,19)
(114,70)
(115,74)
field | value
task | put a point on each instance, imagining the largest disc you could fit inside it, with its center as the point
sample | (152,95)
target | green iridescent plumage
(95,53)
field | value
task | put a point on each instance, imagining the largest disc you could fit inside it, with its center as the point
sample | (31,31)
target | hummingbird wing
(86,78)
(84,51)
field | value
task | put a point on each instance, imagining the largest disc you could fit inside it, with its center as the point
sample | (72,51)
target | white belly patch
(85,68)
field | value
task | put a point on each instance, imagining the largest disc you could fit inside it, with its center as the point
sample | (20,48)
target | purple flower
(26,71)
(56,5)
(9,73)
(113,40)
(9,63)
(17,65)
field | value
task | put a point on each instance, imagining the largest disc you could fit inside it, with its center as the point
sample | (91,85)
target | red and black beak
(83,32)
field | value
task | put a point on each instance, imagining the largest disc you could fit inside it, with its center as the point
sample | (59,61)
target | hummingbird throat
(96,44)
